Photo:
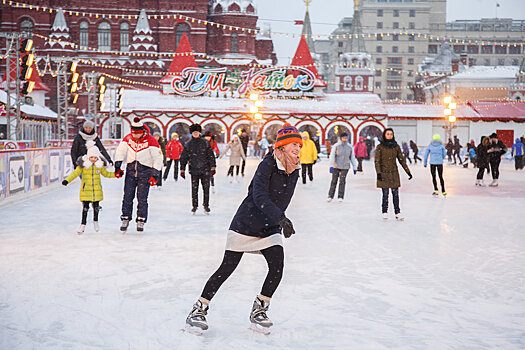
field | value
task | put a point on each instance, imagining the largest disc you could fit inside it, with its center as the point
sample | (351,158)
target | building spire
(307,28)
(356,42)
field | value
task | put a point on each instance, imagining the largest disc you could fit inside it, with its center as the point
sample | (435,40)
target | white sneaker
(399,217)
(385,216)
(81,229)
(340,200)
(329,199)
(95,224)
(494,183)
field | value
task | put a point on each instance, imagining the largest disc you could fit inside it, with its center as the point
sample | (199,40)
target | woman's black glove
(287,226)
(379,178)
(65,182)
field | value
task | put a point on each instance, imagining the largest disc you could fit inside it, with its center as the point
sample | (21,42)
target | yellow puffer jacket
(90,186)
(308,153)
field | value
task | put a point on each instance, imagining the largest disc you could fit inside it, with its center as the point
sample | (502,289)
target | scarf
(290,162)
(390,143)
(88,137)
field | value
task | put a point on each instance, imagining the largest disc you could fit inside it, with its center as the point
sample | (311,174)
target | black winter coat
(199,155)
(482,157)
(245,140)
(498,148)
(78,149)
(269,194)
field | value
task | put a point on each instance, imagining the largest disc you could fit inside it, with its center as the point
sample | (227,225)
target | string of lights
(178,16)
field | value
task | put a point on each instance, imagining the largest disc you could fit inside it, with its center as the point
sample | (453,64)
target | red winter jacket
(360,149)
(174,149)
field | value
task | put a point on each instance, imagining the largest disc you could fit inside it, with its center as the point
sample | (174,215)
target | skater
(456,150)
(257,147)
(79,149)
(414,148)
(162,143)
(173,151)
(308,157)
(265,145)
(437,153)
(90,167)
(361,153)
(387,174)
(406,152)
(144,164)
(237,153)
(340,159)
(208,136)
(482,160)
(470,155)
(496,149)
(199,155)
(245,140)
(450,149)
(517,152)
(257,226)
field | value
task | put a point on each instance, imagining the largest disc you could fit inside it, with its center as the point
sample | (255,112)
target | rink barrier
(27,172)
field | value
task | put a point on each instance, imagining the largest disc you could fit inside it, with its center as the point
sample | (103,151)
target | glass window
(379,25)
(378,85)
(379,48)
(395,25)
(124,36)
(379,60)
(84,34)
(340,44)
(359,81)
(235,43)
(380,13)
(394,60)
(26,26)
(347,83)
(501,49)
(410,61)
(411,25)
(104,36)
(412,13)
(487,49)
(396,13)
(473,49)
(514,50)
(411,49)
(432,49)
(395,49)
(501,61)
(181,29)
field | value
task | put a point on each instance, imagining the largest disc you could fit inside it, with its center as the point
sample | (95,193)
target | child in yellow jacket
(90,187)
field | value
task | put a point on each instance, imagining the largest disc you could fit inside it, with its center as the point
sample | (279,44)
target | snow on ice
(451,276)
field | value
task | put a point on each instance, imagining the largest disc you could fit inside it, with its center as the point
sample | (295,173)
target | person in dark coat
(245,140)
(257,227)
(201,159)
(414,148)
(387,174)
(496,149)
(482,159)
(406,152)
(450,149)
(87,133)
(456,149)
(162,143)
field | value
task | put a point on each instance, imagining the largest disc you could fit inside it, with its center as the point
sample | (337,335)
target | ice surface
(451,276)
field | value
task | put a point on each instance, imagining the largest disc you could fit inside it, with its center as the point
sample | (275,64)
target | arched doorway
(153,127)
(237,128)
(182,129)
(218,130)
(372,135)
(334,132)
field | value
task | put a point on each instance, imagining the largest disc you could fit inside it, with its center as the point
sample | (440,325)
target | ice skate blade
(260,329)
(193,330)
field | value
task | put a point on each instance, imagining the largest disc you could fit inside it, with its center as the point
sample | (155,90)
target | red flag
(299,22)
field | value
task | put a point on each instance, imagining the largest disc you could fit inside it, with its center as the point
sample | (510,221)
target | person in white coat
(237,153)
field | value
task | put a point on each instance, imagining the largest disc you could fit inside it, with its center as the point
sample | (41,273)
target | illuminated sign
(197,81)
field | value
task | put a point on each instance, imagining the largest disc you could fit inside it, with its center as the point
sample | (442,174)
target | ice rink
(451,276)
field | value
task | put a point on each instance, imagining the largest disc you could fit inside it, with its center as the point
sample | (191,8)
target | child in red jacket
(173,151)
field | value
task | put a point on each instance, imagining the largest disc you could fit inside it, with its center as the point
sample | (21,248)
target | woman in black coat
(87,133)
(482,159)
(256,228)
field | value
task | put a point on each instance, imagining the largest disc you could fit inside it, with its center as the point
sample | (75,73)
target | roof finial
(307,3)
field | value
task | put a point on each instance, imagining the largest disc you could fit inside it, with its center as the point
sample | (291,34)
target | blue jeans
(138,185)
(395,197)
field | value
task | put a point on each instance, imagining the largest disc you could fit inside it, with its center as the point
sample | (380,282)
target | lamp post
(255,111)
(450,118)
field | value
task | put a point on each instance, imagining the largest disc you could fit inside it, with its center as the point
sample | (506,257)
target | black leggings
(230,171)
(274,256)
(85,209)
(439,168)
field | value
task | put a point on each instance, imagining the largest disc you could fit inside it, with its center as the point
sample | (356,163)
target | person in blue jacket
(256,228)
(517,152)
(437,153)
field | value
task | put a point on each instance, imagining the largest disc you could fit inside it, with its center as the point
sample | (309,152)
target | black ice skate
(140,224)
(260,321)
(207,210)
(125,224)
(196,320)
(193,210)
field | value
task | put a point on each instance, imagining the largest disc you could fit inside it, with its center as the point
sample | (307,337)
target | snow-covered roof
(60,22)
(395,110)
(143,24)
(34,111)
(333,104)
(487,72)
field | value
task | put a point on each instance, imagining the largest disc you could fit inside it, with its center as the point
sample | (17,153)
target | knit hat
(288,134)
(137,125)
(436,137)
(88,124)
(195,127)
(92,150)
(174,136)
(493,135)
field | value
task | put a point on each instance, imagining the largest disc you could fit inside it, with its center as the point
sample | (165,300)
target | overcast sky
(325,14)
